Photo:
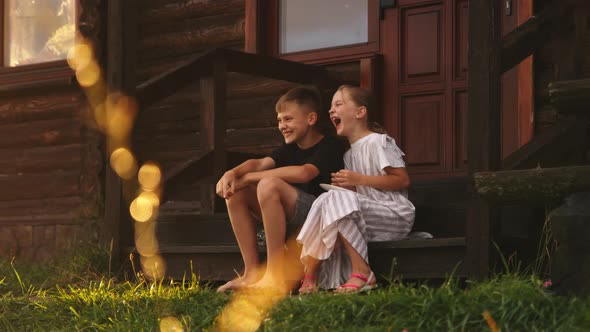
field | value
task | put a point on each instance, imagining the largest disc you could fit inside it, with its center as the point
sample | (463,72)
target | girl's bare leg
(359,265)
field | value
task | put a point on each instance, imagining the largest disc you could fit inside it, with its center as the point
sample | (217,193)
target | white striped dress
(363,216)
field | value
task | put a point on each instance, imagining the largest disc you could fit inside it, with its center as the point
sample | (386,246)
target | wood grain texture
(35,186)
(154,12)
(40,133)
(38,160)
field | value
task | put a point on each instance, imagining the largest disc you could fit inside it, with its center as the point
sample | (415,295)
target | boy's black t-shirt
(326,155)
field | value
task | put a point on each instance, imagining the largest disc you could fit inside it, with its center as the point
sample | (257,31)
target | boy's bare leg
(240,207)
(277,201)
(359,265)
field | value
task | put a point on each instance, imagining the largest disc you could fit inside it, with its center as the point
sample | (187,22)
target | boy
(279,188)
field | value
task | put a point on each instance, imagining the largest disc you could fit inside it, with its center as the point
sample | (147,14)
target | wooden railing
(211,69)
(490,56)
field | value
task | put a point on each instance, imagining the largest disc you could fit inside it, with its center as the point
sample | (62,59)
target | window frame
(31,74)
(267,41)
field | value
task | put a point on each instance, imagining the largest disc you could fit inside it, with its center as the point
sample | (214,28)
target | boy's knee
(268,188)
(236,200)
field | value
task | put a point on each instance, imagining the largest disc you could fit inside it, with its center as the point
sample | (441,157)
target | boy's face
(295,121)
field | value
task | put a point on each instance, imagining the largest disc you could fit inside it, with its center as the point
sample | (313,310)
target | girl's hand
(346,178)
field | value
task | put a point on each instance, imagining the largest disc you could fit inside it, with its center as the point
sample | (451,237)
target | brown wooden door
(424,47)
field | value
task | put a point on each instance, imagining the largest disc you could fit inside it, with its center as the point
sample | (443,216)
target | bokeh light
(120,115)
(100,116)
(123,163)
(152,197)
(141,209)
(146,242)
(80,56)
(170,324)
(149,176)
(153,267)
(89,75)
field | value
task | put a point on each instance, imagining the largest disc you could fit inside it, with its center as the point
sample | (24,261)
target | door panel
(461,37)
(422,44)
(422,129)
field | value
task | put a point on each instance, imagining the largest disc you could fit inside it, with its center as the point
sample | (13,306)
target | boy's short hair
(302,96)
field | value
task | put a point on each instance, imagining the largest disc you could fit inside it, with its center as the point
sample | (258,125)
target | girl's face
(344,113)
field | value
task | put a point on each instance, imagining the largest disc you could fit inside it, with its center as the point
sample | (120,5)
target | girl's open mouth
(336,121)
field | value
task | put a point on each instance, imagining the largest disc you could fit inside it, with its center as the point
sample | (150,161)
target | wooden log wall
(50,162)
(168,33)
(50,156)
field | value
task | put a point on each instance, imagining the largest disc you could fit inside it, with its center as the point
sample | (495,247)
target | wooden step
(412,259)
(194,229)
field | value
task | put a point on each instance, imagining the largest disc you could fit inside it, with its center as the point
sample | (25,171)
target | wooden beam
(253,25)
(213,125)
(529,36)
(552,147)
(484,110)
(120,76)
(275,68)
(571,96)
(371,79)
(535,185)
(184,74)
(170,81)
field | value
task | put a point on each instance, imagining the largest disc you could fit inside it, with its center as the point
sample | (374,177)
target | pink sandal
(308,285)
(370,283)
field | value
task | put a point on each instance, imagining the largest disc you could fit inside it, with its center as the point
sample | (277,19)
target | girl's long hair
(362,97)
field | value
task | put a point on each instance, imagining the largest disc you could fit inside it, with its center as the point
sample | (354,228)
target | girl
(374,208)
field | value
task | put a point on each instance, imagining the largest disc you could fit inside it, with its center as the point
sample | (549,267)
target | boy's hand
(226,185)
(346,178)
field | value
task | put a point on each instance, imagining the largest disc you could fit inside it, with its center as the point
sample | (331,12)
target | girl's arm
(396,179)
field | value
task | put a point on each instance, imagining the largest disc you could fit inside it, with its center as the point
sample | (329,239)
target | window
(37,31)
(314,31)
(310,24)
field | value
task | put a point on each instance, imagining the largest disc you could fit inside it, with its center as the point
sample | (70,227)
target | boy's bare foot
(235,284)
(269,283)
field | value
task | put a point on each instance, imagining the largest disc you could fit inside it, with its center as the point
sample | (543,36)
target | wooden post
(120,76)
(484,136)
(371,79)
(252,38)
(213,122)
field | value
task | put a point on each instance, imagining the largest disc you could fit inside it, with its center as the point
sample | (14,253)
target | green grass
(71,296)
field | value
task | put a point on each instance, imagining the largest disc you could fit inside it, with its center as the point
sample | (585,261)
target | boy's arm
(290,174)
(396,179)
(227,183)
